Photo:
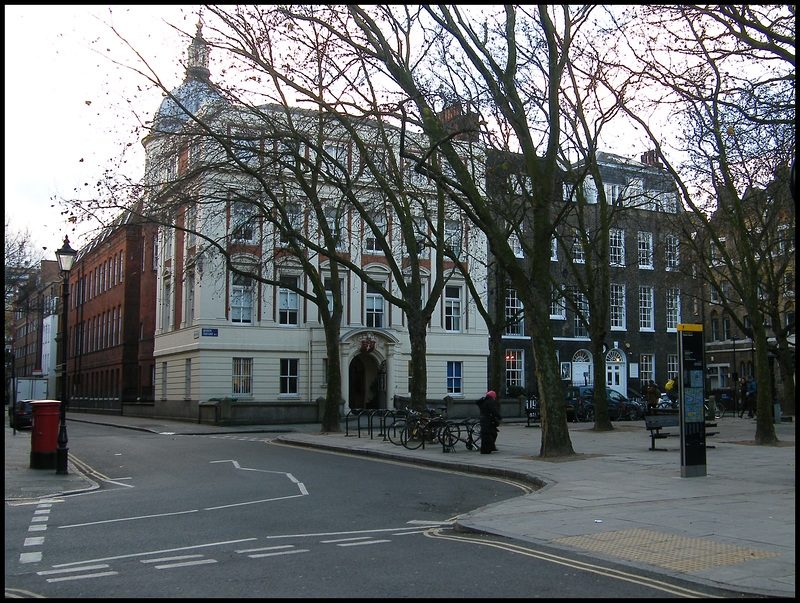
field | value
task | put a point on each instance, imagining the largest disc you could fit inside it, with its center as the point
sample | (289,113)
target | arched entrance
(582,368)
(616,375)
(367,382)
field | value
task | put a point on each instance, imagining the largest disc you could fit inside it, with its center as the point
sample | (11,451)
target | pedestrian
(653,396)
(751,397)
(490,419)
(742,397)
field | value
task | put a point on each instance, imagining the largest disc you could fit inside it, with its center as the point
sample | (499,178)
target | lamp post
(734,376)
(66,258)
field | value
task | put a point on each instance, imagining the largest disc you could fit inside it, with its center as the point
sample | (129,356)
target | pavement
(614,500)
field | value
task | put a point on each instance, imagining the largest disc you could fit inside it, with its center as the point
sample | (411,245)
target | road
(242,516)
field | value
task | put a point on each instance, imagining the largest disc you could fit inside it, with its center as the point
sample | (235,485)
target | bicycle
(467,431)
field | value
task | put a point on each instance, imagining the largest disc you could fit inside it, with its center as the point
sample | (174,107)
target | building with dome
(231,348)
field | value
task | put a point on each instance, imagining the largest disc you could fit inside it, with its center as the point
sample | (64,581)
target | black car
(580,404)
(578,400)
(20,415)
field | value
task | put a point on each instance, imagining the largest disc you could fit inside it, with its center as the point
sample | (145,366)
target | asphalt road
(239,516)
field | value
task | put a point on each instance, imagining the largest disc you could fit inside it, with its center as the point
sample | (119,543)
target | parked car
(580,404)
(578,400)
(20,415)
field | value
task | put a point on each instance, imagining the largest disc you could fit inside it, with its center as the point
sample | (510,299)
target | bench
(655,423)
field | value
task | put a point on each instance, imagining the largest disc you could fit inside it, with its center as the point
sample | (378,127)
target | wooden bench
(655,423)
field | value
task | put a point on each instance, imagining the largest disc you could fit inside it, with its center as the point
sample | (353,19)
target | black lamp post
(66,258)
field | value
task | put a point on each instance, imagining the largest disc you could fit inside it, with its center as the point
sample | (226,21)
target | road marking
(266,548)
(40,518)
(345,539)
(82,576)
(363,542)
(175,550)
(34,541)
(72,569)
(400,529)
(30,557)
(42,512)
(176,558)
(94,523)
(587,567)
(37,528)
(253,502)
(292,552)
(185,564)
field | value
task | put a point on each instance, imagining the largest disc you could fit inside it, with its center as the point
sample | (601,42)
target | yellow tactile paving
(679,553)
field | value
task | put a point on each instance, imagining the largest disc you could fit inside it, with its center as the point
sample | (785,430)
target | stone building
(254,349)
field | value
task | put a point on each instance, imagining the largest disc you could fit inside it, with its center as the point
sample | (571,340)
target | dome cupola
(189,97)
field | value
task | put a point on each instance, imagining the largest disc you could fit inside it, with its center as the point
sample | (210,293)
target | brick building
(648,296)
(112,318)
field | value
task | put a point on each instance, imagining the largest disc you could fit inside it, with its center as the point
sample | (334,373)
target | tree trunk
(602,421)
(555,432)
(331,421)
(417,326)
(765,427)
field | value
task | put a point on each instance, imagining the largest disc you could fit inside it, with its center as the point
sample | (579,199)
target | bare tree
(727,73)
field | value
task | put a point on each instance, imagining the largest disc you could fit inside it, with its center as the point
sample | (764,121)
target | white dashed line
(185,564)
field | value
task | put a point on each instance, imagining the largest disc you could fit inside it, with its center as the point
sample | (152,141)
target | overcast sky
(66,103)
(69,109)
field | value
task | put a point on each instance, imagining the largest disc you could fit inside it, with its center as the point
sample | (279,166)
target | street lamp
(66,258)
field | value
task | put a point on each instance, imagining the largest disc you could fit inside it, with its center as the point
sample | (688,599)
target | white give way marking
(301,487)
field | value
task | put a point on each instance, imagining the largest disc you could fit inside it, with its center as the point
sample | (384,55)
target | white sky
(52,68)
(57,59)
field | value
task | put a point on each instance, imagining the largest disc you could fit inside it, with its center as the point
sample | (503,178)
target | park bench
(655,423)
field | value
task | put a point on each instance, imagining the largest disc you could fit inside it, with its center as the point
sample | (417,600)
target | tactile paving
(670,551)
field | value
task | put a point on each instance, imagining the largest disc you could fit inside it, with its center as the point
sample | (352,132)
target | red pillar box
(44,434)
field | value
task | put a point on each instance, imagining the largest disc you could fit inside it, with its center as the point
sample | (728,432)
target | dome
(192,94)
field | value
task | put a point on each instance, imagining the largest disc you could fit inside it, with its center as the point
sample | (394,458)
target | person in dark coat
(490,419)
(743,396)
(653,396)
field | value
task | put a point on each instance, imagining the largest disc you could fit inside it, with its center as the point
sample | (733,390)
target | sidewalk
(616,500)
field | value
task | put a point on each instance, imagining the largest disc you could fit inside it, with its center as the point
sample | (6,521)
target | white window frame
(647,367)
(582,302)
(616,307)
(672,252)
(242,377)
(673,305)
(241,299)
(645,241)
(455,377)
(289,377)
(371,244)
(558,305)
(374,310)
(452,308)
(288,302)
(616,246)
(646,308)
(515,368)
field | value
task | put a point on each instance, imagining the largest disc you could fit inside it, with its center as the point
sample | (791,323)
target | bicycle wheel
(720,410)
(412,436)
(394,430)
(474,436)
(449,435)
